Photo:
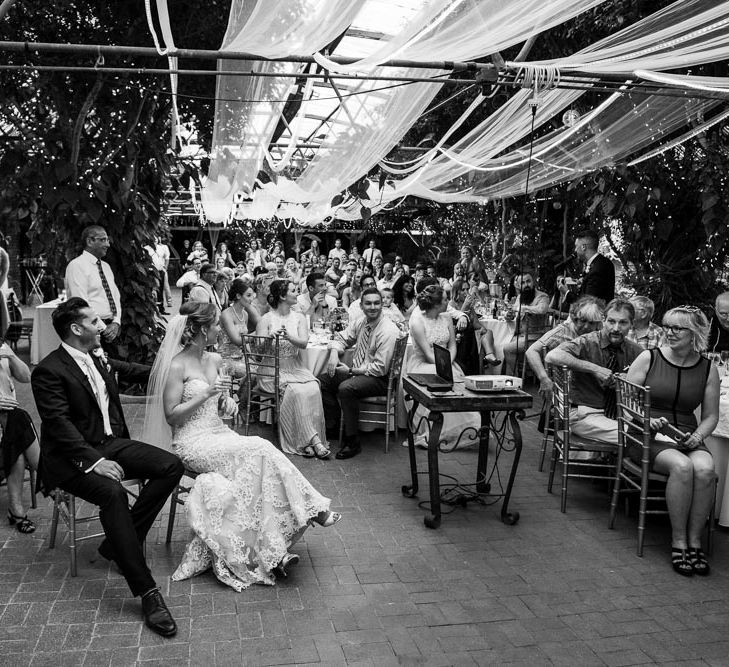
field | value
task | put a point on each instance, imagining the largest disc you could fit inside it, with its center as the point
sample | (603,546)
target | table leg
(412,490)
(482,486)
(432,520)
(510,518)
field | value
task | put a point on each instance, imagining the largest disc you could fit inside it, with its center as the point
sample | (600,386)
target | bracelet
(698,436)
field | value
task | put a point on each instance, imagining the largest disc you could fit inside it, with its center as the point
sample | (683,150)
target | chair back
(393,378)
(561,379)
(634,419)
(261,354)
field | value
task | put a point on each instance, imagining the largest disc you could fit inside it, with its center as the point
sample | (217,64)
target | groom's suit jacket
(72,425)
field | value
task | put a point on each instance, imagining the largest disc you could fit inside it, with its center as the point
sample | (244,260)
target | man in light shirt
(90,278)
(315,303)
(373,338)
(338,252)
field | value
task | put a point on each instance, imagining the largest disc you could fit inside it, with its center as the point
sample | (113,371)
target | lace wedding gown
(302,413)
(249,503)
(454,423)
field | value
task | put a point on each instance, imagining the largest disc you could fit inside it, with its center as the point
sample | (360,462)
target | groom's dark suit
(73,440)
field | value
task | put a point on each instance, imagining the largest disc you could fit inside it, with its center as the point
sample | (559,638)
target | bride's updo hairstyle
(429,297)
(199,315)
(279,290)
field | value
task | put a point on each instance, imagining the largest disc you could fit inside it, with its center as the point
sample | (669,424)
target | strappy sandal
(698,561)
(330,518)
(681,563)
(22,523)
(321,451)
(493,361)
(308,452)
(286,561)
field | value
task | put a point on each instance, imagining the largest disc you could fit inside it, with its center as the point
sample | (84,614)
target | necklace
(241,318)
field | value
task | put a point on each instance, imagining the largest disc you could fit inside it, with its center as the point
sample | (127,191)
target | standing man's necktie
(362,344)
(107,289)
(611,399)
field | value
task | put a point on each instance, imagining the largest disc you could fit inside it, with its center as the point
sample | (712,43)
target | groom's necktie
(96,381)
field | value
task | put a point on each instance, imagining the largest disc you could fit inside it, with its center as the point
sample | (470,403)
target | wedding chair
(565,444)
(634,415)
(261,354)
(382,410)
(65,507)
(175,500)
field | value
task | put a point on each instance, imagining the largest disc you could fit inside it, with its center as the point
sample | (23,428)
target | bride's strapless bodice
(204,420)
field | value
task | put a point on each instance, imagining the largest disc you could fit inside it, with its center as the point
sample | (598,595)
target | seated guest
(321,264)
(387,279)
(429,324)
(276,251)
(349,269)
(681,379)
(468,298)
(470,264)
(399,268)
(316,304)
(203,290)
(355,308)
(198,252)
(353,291)
(531,306)
(280,272)
(17,444)
(644,332)
(355,255)
(294,271)
(262,288)
(432,271)
(224,253)
(719,326)
(368,269)
(234,324)
(586,316)
(301,415)
(220,287)
(312,254)
(373,338)
(594,359)
(377,268)
(389,309)
(404,295)
(334,274)
(256,253)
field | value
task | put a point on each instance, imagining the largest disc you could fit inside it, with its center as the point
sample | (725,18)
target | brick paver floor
(380,588)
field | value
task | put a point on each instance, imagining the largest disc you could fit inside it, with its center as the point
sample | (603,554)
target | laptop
(442,380)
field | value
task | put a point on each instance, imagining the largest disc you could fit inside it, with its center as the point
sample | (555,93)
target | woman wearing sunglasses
(681,379)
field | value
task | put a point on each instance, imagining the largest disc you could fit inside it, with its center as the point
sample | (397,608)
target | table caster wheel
(408,491)
(510,518)
(430,521)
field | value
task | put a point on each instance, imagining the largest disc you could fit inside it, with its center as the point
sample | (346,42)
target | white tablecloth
(503,332)
(45,339)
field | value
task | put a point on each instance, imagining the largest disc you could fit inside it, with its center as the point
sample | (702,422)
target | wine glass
(724,360)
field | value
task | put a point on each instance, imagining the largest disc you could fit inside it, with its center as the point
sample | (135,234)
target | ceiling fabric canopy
(315,137)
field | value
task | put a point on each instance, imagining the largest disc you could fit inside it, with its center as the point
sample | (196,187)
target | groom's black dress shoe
(156,615)
(348,450)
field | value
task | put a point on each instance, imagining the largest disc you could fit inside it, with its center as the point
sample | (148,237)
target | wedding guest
(719,325)
(371,252)
(373,338)
(644,331)
(316,304)
(312,254)
(301,415)
(404,295)
(256,253)
(338,252)
(198,252)
(353,291)
(222,253)
(234,324)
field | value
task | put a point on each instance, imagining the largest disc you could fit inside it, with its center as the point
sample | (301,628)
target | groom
(86,450)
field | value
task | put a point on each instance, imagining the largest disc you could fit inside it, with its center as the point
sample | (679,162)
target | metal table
(507,436)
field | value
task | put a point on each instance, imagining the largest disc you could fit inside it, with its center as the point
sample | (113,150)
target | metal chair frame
(564,442)
(378,414)
(262,352)
(64,507)
(175,500)
(634,415)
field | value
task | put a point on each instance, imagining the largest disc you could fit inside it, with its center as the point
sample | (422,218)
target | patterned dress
(302,413)
(249,503)
(454,423)
(232,353)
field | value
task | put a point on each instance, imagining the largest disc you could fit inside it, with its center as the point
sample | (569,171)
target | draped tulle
(248,505)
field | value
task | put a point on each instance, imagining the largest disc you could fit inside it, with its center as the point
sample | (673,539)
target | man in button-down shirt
(84,280)
(588,358)
(373,338)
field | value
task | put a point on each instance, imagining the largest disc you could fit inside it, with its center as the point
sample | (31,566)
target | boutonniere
(101,356)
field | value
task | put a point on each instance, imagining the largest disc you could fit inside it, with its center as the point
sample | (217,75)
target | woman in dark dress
(682,379)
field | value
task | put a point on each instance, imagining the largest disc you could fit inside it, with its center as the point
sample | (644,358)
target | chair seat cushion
(634,469)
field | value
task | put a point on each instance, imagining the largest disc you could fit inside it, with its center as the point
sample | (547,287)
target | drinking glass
(725,361)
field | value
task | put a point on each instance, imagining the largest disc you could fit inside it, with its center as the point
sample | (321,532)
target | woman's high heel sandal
(321,451)
(326,519)
(681,563)
(286,561)
(491,359)
(22,523)
(698,561)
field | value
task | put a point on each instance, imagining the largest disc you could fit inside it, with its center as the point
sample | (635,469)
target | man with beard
(594,359)
(719,327)
(531,306)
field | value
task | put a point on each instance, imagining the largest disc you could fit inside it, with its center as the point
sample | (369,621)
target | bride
(249,503)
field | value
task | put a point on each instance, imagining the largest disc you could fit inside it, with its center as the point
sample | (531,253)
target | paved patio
(381,589)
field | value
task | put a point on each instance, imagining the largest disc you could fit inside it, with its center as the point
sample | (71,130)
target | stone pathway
(381,589)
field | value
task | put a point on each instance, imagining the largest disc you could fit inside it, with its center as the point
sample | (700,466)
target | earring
(205,334)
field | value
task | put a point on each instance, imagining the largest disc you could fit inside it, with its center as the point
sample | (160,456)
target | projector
(491,382)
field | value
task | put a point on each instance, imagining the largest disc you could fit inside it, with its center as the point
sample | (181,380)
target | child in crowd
(389,309)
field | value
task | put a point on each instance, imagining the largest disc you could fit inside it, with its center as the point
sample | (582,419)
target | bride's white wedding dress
(248,504)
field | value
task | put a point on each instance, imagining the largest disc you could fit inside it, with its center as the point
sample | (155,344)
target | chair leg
(72,531)
(552,467)
(565,476)
(341,428)
(54,520)
(614,501)
(641,519)
(32,476)
(173,511)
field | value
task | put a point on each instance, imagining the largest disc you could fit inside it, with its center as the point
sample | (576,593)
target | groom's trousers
(126,528)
